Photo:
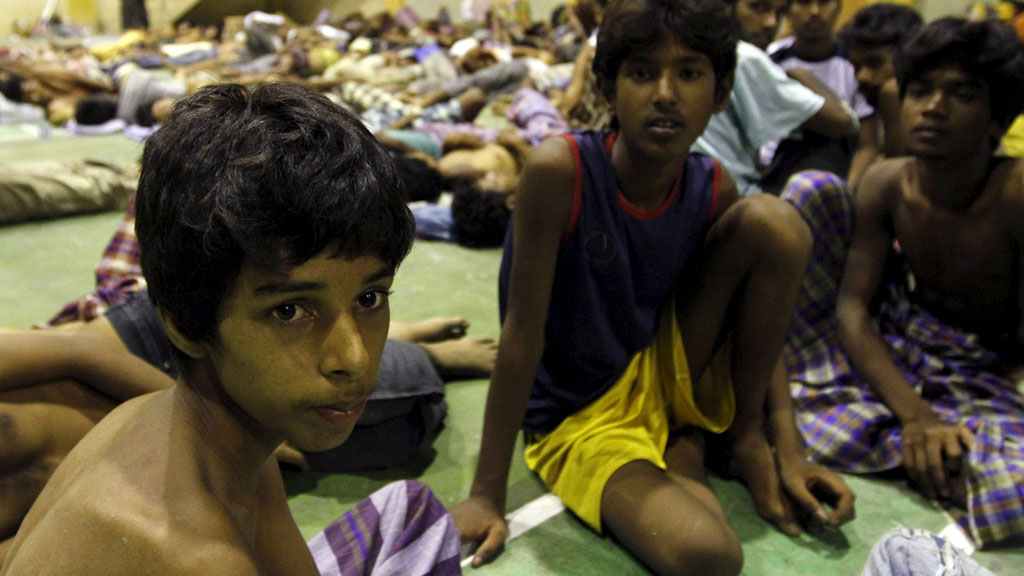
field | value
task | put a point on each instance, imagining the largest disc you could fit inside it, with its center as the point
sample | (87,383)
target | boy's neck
(814,50)
(234,449)
(953,185)
(644,185)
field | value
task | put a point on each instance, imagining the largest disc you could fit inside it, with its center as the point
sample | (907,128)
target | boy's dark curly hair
(630,26)
(271,177)
(880,25)
(987,50)
(480,217)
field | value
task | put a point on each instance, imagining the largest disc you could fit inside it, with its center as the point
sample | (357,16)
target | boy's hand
(933,454)
(478,519)
(809,486)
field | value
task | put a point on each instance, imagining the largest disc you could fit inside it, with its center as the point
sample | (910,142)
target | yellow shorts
(631,421)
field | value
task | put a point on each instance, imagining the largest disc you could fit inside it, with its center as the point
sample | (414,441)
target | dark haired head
(480,216)
(880,26)
(631,26)
(95,109)
(10,87)
(421,181)
(987,50)
(273,178)
(144,114)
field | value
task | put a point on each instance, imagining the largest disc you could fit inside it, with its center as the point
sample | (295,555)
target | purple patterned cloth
(118,275)
(400,530)
(847,426)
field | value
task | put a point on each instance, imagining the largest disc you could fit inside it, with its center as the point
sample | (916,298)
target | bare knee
(667,525)
(716,551)
(770,228)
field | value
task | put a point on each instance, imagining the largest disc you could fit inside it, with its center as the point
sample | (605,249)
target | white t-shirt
(765,105)
(836,72)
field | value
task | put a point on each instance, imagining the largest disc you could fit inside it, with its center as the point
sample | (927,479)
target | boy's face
(947,114)
(759,20)
(812,20)
(664,98)
(298,350)
(873,67)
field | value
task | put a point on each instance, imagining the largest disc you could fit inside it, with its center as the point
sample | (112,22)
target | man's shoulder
(883,181)
(119,531)
(1007,179)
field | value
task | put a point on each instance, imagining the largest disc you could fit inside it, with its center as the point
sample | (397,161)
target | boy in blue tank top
(625,246)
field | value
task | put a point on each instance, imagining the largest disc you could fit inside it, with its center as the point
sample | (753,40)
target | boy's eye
(373,300)
(690,73)
(289,312)
(918,89)
(639,73)
(965,93)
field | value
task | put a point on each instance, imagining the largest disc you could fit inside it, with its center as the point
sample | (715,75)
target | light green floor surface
(45,264)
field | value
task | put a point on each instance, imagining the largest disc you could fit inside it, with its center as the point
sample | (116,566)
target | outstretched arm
(807,485)
(932,449)
(31,357)
(542,211)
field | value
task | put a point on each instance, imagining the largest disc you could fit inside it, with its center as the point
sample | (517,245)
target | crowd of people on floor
(773,258)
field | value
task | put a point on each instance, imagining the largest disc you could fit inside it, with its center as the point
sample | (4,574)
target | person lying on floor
(911,360)
(271,225)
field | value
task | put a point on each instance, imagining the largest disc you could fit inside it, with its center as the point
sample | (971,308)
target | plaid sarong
(847,426)
(118,274)
(401,530)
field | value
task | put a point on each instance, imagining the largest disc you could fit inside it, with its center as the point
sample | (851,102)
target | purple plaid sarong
(847,426)
(400,530)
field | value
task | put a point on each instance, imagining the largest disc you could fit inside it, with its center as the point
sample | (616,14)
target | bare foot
(464,357)
(749,459)
(430,330)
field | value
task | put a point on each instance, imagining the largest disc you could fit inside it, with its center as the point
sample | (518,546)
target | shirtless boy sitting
(929,309)
(271,224)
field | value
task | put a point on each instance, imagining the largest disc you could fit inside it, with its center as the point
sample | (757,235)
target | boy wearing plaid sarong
(914,366)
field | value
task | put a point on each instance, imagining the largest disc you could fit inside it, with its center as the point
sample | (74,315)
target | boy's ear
(190,347)
(722,91)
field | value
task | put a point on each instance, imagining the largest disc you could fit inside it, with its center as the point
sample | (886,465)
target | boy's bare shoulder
(553,156)
(98,536)
(883,180)
(1009,180)
(117,527)
(120,504)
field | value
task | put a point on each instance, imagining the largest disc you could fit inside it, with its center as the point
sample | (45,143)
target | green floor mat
(45,264)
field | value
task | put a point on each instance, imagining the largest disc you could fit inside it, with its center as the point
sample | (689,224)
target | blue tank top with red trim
(617,267)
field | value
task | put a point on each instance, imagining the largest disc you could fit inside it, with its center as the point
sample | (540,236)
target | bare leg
(671,520)
(430,330)
(746,287)
(463,358)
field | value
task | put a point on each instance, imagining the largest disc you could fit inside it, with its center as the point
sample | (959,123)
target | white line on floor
(522,520)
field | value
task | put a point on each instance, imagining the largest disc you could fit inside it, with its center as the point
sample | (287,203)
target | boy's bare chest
(964,262)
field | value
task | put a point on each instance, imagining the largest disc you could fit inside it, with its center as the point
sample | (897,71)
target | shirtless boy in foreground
(271,225)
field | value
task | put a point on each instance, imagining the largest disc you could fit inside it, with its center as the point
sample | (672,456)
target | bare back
(138,495)
(965,255)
